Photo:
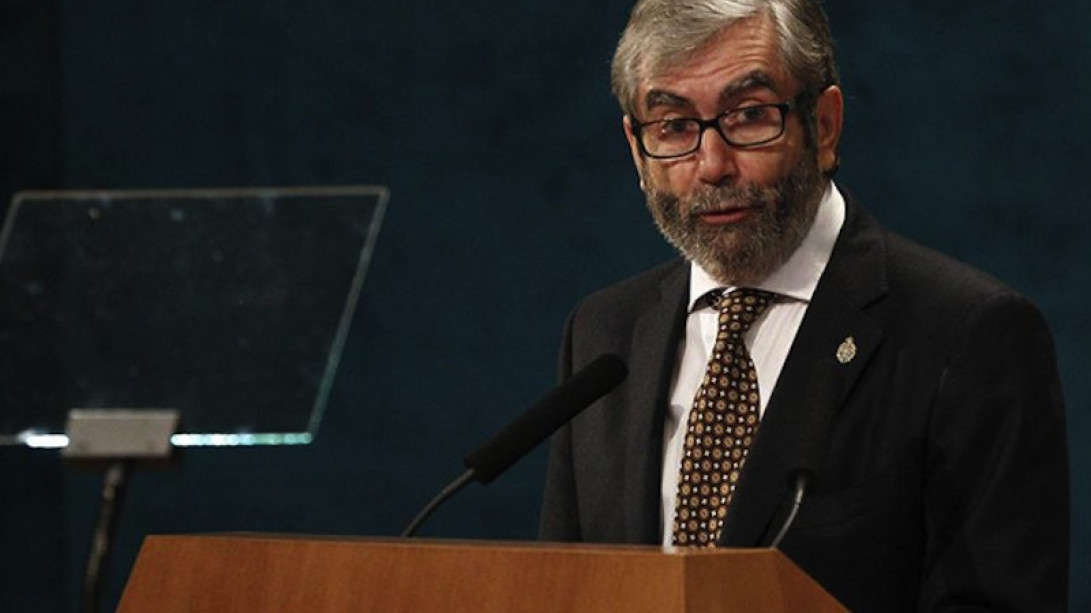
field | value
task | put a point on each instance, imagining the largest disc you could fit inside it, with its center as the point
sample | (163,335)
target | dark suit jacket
(945,486)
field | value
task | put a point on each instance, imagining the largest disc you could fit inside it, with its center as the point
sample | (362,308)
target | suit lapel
(655,335)
(836,329)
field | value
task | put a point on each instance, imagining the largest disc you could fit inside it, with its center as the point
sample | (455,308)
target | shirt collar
(798,277)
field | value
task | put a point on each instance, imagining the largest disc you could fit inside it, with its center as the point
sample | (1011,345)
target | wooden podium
(247,573)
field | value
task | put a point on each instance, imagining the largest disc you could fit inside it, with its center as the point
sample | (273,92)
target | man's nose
(715,158)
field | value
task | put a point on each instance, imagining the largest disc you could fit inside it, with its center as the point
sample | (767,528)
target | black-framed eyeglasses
(745,126)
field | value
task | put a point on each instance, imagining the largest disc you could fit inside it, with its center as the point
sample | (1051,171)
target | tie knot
(741,307)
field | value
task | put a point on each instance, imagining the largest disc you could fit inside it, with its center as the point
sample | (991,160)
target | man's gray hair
(664,33)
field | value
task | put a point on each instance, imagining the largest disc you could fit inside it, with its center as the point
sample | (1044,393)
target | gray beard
(747,252)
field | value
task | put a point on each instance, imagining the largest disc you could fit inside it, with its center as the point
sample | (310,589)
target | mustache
(717,198)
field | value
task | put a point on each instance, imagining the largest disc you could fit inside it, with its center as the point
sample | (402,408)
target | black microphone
(813,437)
(559,407)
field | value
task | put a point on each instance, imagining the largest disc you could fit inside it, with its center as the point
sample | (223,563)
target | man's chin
(740,254)
(734,271)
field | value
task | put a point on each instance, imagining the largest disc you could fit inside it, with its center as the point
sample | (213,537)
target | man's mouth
(727,216)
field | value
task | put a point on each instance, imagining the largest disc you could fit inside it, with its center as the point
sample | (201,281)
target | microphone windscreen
(543,419)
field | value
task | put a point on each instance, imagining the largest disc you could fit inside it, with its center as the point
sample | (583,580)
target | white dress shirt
(768,339)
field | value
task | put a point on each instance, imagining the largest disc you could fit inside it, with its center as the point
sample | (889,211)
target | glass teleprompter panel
(229,306)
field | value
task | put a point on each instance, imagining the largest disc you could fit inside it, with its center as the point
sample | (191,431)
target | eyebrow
(757,79)
(659,97)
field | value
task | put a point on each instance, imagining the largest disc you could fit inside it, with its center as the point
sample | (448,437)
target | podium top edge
(452,544)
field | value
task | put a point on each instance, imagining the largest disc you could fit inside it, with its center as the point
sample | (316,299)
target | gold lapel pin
(846,351)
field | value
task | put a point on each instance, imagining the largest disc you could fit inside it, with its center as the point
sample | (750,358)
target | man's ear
(829,115)
(634,149)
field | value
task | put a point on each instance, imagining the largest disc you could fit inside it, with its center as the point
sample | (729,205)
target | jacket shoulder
(634,293)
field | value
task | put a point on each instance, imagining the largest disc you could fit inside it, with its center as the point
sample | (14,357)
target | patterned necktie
(721,424)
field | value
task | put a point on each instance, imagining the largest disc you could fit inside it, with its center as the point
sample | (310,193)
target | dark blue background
(512,196)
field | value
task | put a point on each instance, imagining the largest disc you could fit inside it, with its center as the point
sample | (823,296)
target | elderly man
(943,481)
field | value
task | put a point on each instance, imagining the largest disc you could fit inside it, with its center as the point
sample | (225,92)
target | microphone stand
(118,438)
(824,393)
(113,490)
(451,489)
(798,491)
